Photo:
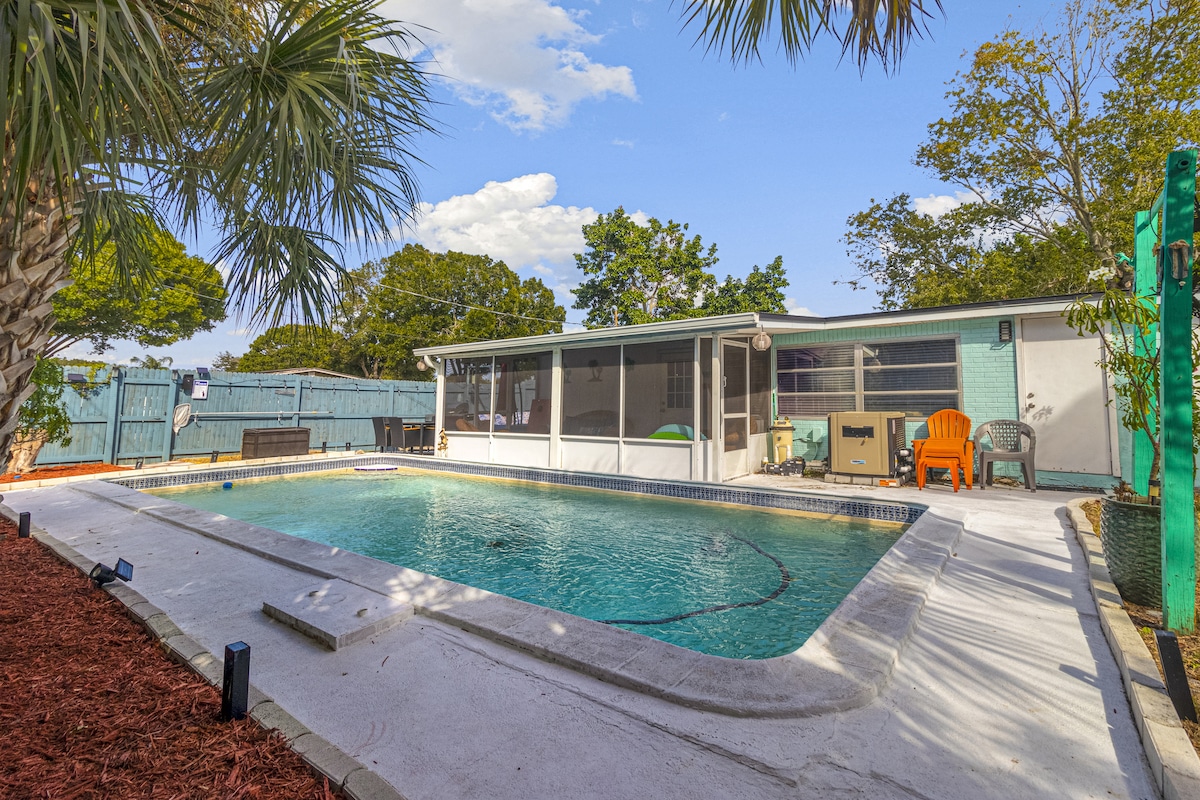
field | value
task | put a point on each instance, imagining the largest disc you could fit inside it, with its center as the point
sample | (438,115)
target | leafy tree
(285,126)
(43,418)
(412,298)
(918,260)
(184,296)
(641,273)
(418,298)
(227,361)
(866,28)
(761,291)
(292,347)
(1057,138)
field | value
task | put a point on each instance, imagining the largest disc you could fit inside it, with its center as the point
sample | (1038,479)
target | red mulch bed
(92,708)
(64,471)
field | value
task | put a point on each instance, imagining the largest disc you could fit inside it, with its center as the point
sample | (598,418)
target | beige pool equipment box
(864,446)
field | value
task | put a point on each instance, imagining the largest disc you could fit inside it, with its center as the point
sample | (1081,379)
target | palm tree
(286,126)
(867,29)
(149,361)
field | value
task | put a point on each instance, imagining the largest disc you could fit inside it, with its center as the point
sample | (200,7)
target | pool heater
(866,443)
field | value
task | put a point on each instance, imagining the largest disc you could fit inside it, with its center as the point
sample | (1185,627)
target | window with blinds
(917,377)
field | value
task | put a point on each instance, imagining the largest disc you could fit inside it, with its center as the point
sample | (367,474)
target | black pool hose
(784,580)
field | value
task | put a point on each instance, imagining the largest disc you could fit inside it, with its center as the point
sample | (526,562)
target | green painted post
(1146,286)
(1175,395)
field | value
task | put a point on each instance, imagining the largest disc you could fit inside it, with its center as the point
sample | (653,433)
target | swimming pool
(735,582)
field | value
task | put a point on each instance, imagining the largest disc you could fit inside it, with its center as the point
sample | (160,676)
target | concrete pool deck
(1006,689)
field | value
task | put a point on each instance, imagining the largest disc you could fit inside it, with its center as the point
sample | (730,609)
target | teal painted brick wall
(989,372)
(989,385)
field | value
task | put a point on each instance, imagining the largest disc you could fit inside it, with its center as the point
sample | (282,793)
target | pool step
(336,613)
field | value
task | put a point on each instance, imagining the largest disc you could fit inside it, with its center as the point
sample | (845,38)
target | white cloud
(623,143)
(511,221)
(795,309)
(522,59)
(937,204)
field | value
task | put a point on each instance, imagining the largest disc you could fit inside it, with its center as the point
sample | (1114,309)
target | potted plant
(1129,523)
(42,419)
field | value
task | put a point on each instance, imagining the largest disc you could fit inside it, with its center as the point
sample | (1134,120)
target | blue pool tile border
(711,492)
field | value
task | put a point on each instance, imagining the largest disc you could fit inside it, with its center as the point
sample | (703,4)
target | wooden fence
(123,414)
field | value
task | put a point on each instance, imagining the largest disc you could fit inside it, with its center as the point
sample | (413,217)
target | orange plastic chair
(949,438)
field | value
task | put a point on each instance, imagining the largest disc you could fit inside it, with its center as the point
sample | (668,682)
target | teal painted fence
(123,414)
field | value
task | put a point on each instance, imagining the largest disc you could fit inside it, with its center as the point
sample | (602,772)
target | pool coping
(843,665)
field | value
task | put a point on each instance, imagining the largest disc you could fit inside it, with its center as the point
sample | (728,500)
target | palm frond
(85,84)
(281,273)
(314,122)
(867,29)
(126,219)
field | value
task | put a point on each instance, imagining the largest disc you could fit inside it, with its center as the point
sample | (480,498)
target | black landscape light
(102,573)
(235,688)
(141,462)
(23,525)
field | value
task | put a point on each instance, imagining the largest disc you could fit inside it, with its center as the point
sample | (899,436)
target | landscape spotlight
(102,573)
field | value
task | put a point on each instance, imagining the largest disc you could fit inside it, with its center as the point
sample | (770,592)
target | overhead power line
(404,291)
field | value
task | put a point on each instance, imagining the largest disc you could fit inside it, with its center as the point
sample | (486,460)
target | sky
(553,111)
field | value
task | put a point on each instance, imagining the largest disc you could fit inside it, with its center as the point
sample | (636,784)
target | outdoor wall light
(102,573)
(1006,330)
(422,366)
(761,341)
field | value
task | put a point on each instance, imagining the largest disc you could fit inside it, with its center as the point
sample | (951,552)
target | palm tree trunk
(33,266)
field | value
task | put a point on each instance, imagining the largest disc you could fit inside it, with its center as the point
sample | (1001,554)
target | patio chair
(1006,439)
(949,438)
(385,433)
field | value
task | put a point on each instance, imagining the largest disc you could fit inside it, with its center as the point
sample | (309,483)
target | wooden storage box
(268,442)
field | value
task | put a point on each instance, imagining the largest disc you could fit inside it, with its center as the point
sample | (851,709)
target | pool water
(734,582)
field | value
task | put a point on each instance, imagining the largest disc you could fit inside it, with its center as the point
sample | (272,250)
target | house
(694,399)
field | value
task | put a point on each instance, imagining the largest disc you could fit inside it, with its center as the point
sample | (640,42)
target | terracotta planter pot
(1132,540)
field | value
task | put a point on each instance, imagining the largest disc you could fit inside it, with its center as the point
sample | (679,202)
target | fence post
(299,401)
(1175,395)
(168,449)
(112,435)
